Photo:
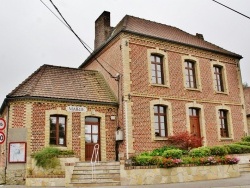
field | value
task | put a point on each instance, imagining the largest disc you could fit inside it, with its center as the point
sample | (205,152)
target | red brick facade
(141,91)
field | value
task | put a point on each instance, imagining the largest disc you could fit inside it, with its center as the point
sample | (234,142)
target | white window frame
(165,68)
(197,72)
(169,118)
(229,121)
(224,76)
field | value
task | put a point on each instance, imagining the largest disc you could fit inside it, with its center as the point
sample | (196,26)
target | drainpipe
(126,125)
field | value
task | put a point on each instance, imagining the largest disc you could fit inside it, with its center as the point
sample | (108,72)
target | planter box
(177,174)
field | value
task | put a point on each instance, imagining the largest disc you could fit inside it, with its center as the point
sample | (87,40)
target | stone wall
(177,175)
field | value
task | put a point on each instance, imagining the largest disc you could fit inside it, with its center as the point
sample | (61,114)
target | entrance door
(92,136)
(194,122)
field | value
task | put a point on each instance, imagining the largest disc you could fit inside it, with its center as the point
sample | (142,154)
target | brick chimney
(102,29)
(200,36)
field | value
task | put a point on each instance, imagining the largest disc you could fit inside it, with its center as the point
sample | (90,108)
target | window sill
(220,92)
(226,139)
(193,89)
(159,85)
(160,138)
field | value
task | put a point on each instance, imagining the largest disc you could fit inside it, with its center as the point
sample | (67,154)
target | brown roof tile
(65,83)
(165,32)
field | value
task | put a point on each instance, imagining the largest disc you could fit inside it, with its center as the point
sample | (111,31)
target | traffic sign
(2,124)
(2,137)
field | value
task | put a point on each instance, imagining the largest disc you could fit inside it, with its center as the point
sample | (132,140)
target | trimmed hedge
(173,153)
(219,150)
(200,152)
(246,139)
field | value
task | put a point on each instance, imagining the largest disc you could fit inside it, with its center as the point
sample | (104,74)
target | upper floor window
(160,121)
(223,119)
(190,79)
(219,86)
(157,69)
(58,130)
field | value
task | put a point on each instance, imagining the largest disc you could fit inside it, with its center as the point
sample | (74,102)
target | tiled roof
(165,32)
(65,83)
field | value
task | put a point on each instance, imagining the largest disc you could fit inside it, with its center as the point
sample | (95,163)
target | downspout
(126,125)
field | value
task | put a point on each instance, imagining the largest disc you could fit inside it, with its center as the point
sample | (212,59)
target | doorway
(194,122)
(92,136)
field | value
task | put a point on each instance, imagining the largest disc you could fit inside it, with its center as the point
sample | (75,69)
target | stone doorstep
(95,185)
(97,167)
(98,164)
(85,176)
(94,181)
(111,171)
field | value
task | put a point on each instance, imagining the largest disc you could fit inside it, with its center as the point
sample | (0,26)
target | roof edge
(127,31)
(7,99)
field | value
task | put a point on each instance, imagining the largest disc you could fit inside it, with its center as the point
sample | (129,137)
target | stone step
(97,171)
(97,167)
(114,176)
(95,185)
(244,167)
(98,164)
(95,180)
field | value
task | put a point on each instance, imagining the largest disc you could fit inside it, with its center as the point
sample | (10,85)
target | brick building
(150,79)
(58,106)
(170,82)
(247,105)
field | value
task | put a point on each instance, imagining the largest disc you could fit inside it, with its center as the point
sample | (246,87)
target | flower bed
(141,175)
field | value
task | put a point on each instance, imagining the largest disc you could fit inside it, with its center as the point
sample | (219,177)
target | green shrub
(246,139)
(66,152)
(191,160)
(142,160)
(237,149)
(173,153)
(47,158)
(219,150)
(243,143)
(160,151)
(200,152)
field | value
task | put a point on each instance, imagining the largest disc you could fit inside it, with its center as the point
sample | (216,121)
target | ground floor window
(58,130)
(223,116)
(160,121)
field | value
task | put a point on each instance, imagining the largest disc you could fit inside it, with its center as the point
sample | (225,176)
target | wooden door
(92,136)
(195,126)
(194,122)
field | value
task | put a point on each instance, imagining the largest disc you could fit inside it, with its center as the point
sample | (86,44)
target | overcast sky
(30,35)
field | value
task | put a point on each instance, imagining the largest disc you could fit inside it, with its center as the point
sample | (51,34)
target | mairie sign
(76,109)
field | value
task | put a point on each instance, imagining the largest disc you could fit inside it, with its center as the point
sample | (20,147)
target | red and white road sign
(2,137)
(2,124)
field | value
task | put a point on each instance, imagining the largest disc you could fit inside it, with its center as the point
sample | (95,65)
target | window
(218,78)
(160,121)
(58,130)
(190,80)
(157,69)
(223,123)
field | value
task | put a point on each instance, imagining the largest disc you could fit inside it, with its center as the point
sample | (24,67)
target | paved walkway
(241,182)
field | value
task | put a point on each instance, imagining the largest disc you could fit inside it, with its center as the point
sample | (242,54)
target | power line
(65,23)
(232,9)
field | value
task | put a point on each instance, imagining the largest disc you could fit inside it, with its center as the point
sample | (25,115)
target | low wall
(177,174)
(46,181)
(38,179)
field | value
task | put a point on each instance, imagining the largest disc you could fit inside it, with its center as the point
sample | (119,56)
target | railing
(94,159)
